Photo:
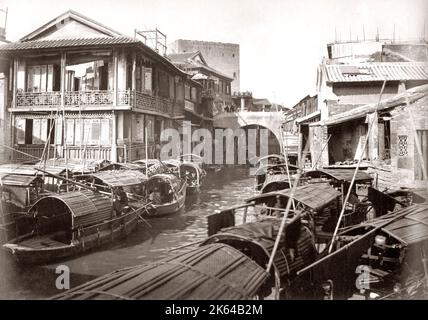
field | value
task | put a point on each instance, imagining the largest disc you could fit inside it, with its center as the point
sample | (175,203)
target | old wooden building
(88,91)
(400,124)
(216,86)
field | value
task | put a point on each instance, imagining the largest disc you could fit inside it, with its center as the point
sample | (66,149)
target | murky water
(146,244)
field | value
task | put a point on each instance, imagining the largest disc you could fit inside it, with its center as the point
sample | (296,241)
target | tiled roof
(376,72)
(181,57)
(185,61)
(62,43)
(261,102)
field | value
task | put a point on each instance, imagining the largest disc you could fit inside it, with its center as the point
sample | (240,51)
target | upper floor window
(234,74)
(86,72)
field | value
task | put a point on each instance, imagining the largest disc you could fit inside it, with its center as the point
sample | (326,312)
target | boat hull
(120,228)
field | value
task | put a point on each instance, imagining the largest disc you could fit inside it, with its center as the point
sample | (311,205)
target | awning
(276,178)
(282,167)
(120,178)
(308,117)
(413,95)
(411,228)
(344,175)
(30,169)
(122,166)
(86,207)
(17,180)
(171,179)
(314,196)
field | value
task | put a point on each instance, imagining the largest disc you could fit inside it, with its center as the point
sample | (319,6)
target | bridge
(241,119)
(269,120)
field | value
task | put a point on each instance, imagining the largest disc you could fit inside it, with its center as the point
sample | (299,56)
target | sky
(281,41)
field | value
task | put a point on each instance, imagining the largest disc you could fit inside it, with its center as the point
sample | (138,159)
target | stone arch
(268,120)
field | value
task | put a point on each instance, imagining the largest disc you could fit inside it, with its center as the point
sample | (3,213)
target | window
(234,74)
(163,84)
(233,55)
(32,131)
(148,79)
(89,72)
(150,124)
(187,92)
(40,78)
(402,146)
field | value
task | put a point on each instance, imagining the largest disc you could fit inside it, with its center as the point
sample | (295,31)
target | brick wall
(403,149)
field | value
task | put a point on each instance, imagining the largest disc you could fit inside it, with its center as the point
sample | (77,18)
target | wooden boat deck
(41,242)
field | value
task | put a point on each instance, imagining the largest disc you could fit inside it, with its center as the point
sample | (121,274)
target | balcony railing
(89,98)
(38,99)
(146,102)
(96,98)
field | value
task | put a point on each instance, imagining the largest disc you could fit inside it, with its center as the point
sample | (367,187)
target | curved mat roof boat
(211,272)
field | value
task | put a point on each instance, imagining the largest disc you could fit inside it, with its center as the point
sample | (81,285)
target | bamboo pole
(349,245)
(19,151)
(285,152)
(320,155)
(348,194)
(287,210)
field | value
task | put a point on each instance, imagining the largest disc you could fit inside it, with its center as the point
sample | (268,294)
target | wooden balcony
(208,93)
(38,99)
(94,99)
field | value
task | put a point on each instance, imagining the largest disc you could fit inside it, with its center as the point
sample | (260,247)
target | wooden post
(113,155)
(348,194)
(373,137)
(14,91)
(244,217)
(63,77)
(15,81)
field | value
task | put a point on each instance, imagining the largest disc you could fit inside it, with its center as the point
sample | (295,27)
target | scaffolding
(3,22)
(152,38)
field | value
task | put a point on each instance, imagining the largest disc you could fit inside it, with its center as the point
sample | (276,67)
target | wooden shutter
(20,130)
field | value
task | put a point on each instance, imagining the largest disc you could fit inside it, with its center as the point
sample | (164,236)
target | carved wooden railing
(146,102)
(89,98)
(89,152)
(96,98)
(30,153)
(38,99)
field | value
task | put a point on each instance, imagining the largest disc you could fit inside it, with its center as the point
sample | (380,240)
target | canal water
(146,244)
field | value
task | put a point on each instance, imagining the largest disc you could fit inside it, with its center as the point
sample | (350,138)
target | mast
(348,194)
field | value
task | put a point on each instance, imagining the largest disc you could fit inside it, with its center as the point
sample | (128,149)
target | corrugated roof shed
(413,95)
(376,72)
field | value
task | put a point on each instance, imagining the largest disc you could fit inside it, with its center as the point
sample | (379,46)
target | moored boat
(166,194)
(190,171)
(212,272)
(69,224)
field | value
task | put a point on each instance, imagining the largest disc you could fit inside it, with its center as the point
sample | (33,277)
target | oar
(139,215)
(186,245)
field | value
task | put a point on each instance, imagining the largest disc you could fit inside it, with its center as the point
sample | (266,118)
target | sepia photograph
(233,150)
